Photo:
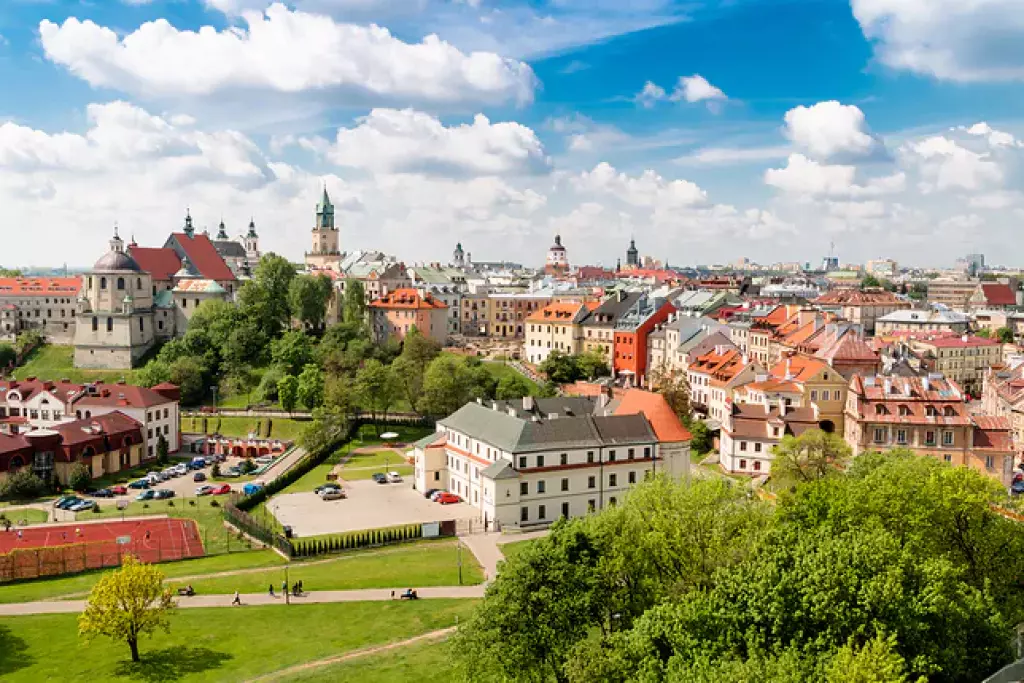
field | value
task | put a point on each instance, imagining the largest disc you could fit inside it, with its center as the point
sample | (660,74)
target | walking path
(363,595)
(431,635)
(487,548)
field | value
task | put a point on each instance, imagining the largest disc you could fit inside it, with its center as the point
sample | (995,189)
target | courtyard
(369,506)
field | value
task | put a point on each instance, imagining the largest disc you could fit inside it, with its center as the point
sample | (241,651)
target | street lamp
(385,437)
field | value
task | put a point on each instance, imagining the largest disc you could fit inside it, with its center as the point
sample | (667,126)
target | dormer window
(949,411)
(930,411)
(881,409)
(904,411)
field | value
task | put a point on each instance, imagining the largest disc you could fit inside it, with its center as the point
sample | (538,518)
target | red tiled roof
(993,433)
(407,298)
(798,368)
(850,347)
(162,263)
(112,424)
(954,342)
(9,445)
(855,297)
(655,408)
(204,256)
(40,286)
(127,395)
(999,295)
(558,311)
(31,386)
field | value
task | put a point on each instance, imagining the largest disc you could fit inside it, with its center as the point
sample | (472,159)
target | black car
(429,492)
(100,493)
(380,478)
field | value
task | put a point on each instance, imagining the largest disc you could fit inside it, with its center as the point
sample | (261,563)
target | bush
(80,478)
(214,503)
(247,466)
(21,485)
(215,470)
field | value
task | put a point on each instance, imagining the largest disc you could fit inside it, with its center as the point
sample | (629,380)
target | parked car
(146,495)
(437,494)
(199,476)
(324,487)
(251,488)
(181,468)
(222,489)
(163,494)
(171,472)
(119,490)
(380,478)
(232,471)
(394,477)
(332,494)
(100,493)
(448,499)
(429,492)
(198,463)
(264,460)
(1017,488)
(64,500)
(204,490)
(82,506)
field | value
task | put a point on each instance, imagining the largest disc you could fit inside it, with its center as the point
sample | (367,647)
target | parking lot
(369,506)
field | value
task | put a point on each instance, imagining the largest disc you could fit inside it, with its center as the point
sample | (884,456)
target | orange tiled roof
(798,368)
(656,409)
(558,311)
(722,367)
(855,297)
(773,385)
(406,298)
(39,286)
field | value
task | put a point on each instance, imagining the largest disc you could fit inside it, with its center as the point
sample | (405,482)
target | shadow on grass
(13,652)
(172,663)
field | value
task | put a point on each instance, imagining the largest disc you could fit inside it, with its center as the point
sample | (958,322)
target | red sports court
(73,547)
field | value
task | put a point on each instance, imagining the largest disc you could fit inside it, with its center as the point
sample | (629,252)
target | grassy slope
(54,362)
(425,662)
(222,644)
(514,548)
(280,428)
(30,515)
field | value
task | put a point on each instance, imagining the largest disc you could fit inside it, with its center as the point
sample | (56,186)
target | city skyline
(708,132)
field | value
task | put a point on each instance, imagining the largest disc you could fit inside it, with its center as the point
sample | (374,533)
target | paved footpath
(369,594)
(487,548)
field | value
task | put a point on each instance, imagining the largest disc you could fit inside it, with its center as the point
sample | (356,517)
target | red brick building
(629,355)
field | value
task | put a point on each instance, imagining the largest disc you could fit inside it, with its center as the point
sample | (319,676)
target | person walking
(271,590)
(237,600)
(300,587)
(284,587)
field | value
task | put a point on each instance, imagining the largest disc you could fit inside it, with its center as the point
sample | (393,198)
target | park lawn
(374,459)
(216,644)
(416,565)
(280,427)
(368,435)
(499,371)
(55,362)
(210,518)
(514,548)
(30,515)
(427,661)
(353,474)
(80,584)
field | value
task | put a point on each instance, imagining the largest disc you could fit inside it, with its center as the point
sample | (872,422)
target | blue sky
(799,123)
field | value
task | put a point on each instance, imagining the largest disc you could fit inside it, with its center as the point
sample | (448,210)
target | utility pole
(459,553)
(287,601)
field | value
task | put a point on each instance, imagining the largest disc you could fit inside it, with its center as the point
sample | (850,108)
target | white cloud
(1001,199)
(650,95)
(995,138)
(286,52)
(408,141)
(959,40)
(945,164)
(829,129)
(648,189)
(803,176)
(696,88)
(724,156)
(584,135)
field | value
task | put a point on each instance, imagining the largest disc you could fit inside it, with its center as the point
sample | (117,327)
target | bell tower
(324,252)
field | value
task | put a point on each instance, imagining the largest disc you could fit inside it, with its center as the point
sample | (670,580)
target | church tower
(324,253)
(632,255)
(558,260)
(458,256)
(252,247)
(189,230)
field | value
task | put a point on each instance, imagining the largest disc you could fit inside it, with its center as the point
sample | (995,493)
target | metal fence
(33,563)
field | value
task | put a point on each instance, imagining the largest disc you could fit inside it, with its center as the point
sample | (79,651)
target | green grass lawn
(219,644)
(367,473)
(420,564)
(367,435)
(513,548)
(374,459)
(79,584)
(30,515)
(55,362)
(216,537)
(280,427)
(424,662)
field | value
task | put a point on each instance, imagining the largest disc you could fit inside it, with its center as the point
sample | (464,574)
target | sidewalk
(487,548)
(197,601)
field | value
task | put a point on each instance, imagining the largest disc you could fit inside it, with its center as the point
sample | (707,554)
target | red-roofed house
(994,296)
(673,438)
(964,359)
(395,313)
(46,304)
(716,375)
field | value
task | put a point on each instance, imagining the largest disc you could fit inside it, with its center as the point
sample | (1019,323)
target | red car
(448,499)
(119,490)
(222,489)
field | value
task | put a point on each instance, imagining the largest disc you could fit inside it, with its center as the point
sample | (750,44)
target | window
(988,462)
(565,484)
(743,464)
(814,394)
(563,459)
(612,501)
(647,451)
(541,512)
(524,514)
(103,283)
(613,480)
(632,477)
(95,323)
(184,303)
(138,283)
(540,486)
(110,324)
(166,413)
(565,510)
(757,465)
(120,283)
(524,488)
(591,505)
(611,456)
(949,411)
(879,435)
(437,476)
(591,482)
(757,447)
(540,461)
(947,457)
(904,411)
(743,445)
(947,438)
(901,436)
(590,456)
(522,463)
(929,438)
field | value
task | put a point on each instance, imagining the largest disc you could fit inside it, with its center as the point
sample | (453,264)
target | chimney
(528,403)
(963,338)
(887,386)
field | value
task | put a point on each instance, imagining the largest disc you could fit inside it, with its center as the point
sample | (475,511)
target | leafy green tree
(288,392)
(127,603)
(264,299)
(447,386)
(162,449)
(21,485)
(8,356)
(593,364)
(411,365)
(984,333)
(561,368)
(28,339)
(187,373)
(355,302)
(292,351)
(154,372)
(308,297)
(246,345)
(311,387)
(267,389)
(675,389)
(870,281)
(1004,335)
(702,441)
(377,388)
(877,661)
(809,457)
(79,478)
(513,386)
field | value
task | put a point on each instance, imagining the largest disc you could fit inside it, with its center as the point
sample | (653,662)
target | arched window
(120,283)
(88,414)
(881,409)
(930,411)
(103,283)
(949,411)
(904,410)
(141,327)
(78,414)
(110,324)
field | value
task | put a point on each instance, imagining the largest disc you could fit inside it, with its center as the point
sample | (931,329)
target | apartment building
(935,319)
(1003,396)
(964,359)
(715,376)
(395,313)
(819,385)
(556,327)
(955,294)
(509,311)
(599,326)
(527,463)
(45,304)
(928,416)
(671,347)
(751,431)
(862,308)
(629,353)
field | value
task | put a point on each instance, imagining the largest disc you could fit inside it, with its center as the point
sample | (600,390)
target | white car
(204,490)
(181,469)
(394,477)
(332,494)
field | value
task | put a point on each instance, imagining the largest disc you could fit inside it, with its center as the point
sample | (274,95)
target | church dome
(117,260)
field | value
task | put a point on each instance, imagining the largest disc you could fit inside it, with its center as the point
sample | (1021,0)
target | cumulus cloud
(584,135)
(723,156)
(945,164)
(650,94)
(803,176)
(696,88)
(286,52)
(648,189)
(409,141)
(959,40)
(830,129)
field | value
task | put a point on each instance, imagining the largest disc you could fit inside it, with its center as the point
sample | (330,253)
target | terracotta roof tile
(203,255)
(161,263)
(656,409)
(40,286)
(999,295)
(407,298)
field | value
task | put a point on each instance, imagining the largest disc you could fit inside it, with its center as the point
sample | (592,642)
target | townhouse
(629,352)
(599,326)
(1003,396)
(964,359)
(397,312)
(819,385)
(715,376)
(751,430)
(556,327)
(862,308)
(935,319)
(509,311)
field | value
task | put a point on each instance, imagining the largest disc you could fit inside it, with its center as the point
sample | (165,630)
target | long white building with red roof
(45,304)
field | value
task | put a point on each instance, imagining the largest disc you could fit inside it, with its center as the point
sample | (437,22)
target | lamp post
(386,437)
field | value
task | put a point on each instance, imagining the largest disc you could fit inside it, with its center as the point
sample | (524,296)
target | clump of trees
(896,569)
(562,368)
(21,485)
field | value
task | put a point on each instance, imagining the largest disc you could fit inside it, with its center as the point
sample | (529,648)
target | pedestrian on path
(392,595)
(284,587)
(271,590)
(237,600)
(19,534)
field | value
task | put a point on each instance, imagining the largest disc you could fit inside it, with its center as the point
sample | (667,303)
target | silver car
(332,494)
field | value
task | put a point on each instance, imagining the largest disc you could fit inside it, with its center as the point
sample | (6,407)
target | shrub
(214,503)
(21,485)
(247,466)
(215,471)
(96,508)
(79,478)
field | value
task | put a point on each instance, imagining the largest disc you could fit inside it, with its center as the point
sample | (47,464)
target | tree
(127,603)
(561,368)
(264,299)
(267,389)
(79,478)
(8,356)
(811,456)
(593,364)
(513,386)
(308,297)
(311,387)
(1005,335)
(245,345)
(161,449)
(154,372)
(870,281)
(702,441)
(984,333)
(675,389)
(21,485)
(377,387)
(187,373)
(27,340)
(288,392)
(447,385)
(411,365)
(292,351)
(355,302)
